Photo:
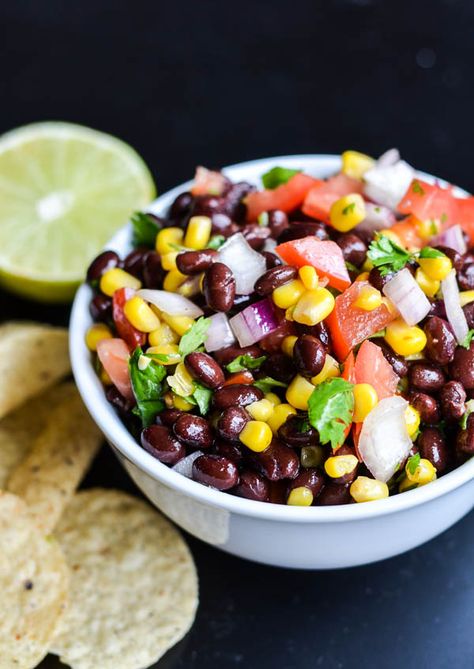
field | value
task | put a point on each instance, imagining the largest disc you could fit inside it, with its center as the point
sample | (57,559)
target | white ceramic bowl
(314,537)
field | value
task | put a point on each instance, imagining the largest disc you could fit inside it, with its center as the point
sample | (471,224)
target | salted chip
(33,587)
(134,589)
(60,456)
(32,358)
(19,429)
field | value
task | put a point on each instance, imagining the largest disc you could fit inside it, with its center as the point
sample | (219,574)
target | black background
(219,82)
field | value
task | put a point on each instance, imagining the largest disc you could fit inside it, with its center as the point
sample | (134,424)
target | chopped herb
(417,188)
(351,267)
(377,210)
(146,385)
(145,229)
(303,425)
(387,256)
(467,413)
(263,219)
(413,462)
(161,357)
(216,242)
(376,335)
(428,252)
(349,209)
(203,398)
(194,337)
(467,342)
(330,409)
(277,176)
(267,383)
(243,362)
(444,217)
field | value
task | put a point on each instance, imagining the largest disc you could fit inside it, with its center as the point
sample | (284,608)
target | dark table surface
(215,83)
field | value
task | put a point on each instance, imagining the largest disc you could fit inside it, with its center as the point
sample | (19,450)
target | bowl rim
(104,415)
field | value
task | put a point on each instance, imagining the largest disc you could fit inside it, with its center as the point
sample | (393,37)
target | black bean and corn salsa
(307,343)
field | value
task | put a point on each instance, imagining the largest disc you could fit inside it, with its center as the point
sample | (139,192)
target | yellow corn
(288,344)
(356,164)
(368,299)
(364,489)
(427,228)
(181,382)
(279,416)
(287,295)
(167,239)
(104,377)
(429,286)
(340,465)
(139,314)
(368,265)
(405,484)
(308,276)
(190,287)
(168,260)
(301,496)
(329,370)
(412,421)
(256,435)
(289,313)
(365,399)
(272,398)
(466,297)
(163,335)
(403,338)
(173,280)
(261,410)
(182,404)
(180,324)
(298,392)
(198,232)
(170,350)
(347,212)
(436,268)
(394,237)
(363,276)
(313,306)
(168,397)
(117,278)
(424,473)
(97,333)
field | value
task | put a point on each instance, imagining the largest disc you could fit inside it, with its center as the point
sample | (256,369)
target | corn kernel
(394,237)
(389,305)
(429,286)
(436,268)
(289,313)
(256,435)
(163,335)
(181,382)
(308,276)
(97,333)
(182,404)
(356,164)
(279,416)
(167,239)
(403,338)
(330,369)
(367,265)
(198,232)
(180,324)
(190,287)
(427,228)
(347,212)
(314,306)
(365,399)
(287,295)
(117,278)
(365,489)
(168,260)
(466,297)
(168,397)
(272,398)
(405,484)
(298,392)
(105,378)
(363,276)
(169,350)
(412,421)
(261,410)
(288,344)
(173,280)
(368,299)
(139,314)
(340,465)
(423,474)
(301,496)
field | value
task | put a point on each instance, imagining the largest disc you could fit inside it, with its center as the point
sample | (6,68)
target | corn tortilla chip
(57,462)
(32,358)
(33,587)
(134,588)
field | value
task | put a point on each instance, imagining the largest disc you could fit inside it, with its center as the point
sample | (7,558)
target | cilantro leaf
(203,398)
(146,378)
(351,267)
(194,337)
(467,413)
(349,209)
(215,242)
(330,409)
(145,229)
(428,252)
(277,176)
(387,256)
(413,462)
(267,383)
(243,362)
(262,219)
(417,188)
(467,341)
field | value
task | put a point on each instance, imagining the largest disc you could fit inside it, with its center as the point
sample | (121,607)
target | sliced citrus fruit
(64,190)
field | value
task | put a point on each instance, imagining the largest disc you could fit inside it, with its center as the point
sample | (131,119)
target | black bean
(425,377)
(279,366)
(462,367)
(332,494)
(205,369)
(399,364)
(195,262)
(234,205)
(231,423)
(298,230)
(438,309)
(153,272)
(309,355)
(168,417)
(228,450)
(101,264)
(223,225)
(237,394)
(100,308)
(253,486)
(181,206)
(292,434)
(353,248)
(255,235)
(207,205)
(432,446)
(469,314)
(162,444)
(215,471)
(277,462)
(134,262)
(377,280)
(455,257)
(465,438)
(273,278)
(277,222)
(193,431)
(427,407)
(120,402)
(440,340)
(309,478)
(320,330)
(465,277)
(452,398)
(271,259)
(226,355)
(219,287)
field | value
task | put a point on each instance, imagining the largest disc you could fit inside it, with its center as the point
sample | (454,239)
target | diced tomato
(348,371)
(408,233)
(466,215)
(356,430)
(208,182)
(322,196)
(350,325)
(125,329)
(429,202)
(372,367)
(245,377)
(286,197)
(325,256)
(113,355)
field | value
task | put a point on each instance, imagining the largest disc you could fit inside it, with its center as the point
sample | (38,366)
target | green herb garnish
(277,176)
(351,267)
(417,188)
(262,219)
(467,413)
(267,383)
(146,378)
(349,209)
(203,398)
(468,339)
(412,463)
(194,337)
(243,362)
(145,229)
(216,242)
(428,252)
(330,410)
(387,256)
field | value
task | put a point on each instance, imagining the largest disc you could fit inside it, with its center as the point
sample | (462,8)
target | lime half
(64,190)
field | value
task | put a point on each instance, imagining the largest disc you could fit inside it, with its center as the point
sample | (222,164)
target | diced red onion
(452,304)
(219,333)
(171,303)
(453,238)
(246,264)
(377,217)
(388,184)
(407,296)
(388,158)
(254,322)
(384,442)
(185,466)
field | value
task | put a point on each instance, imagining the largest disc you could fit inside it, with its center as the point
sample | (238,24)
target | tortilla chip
(33,587)
(134,588)
(19,429)
(57,462)
(32,358)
